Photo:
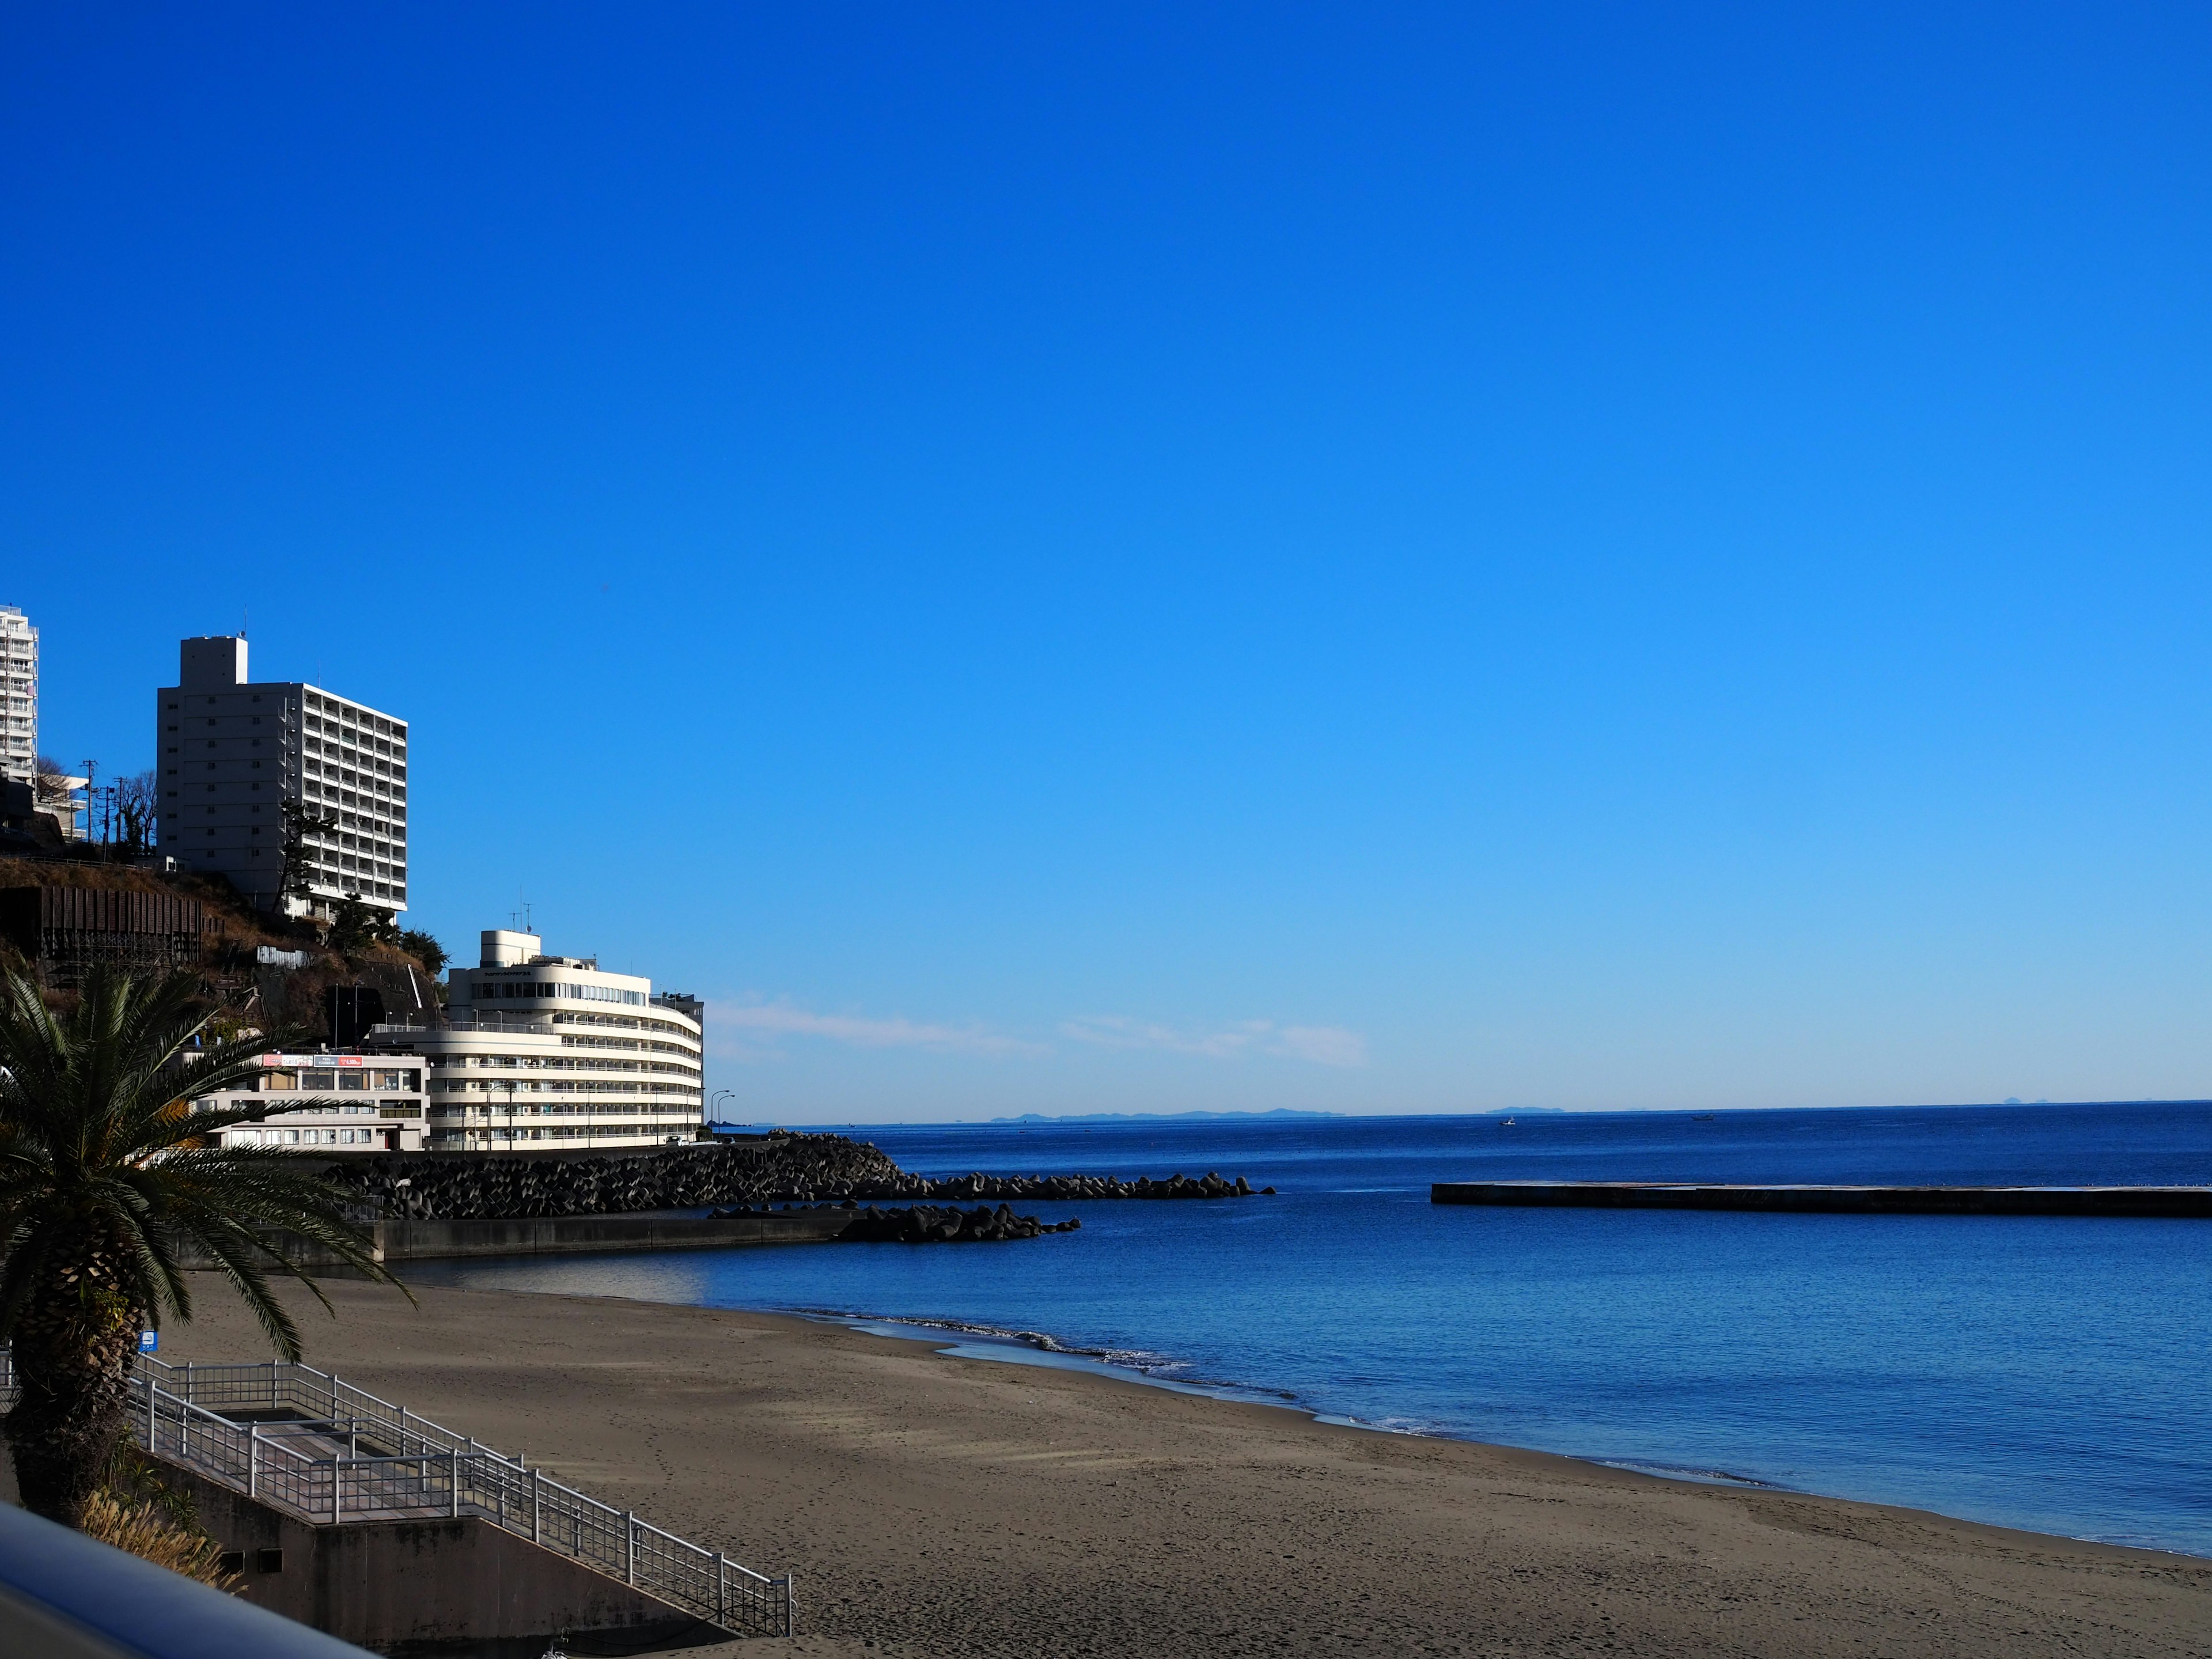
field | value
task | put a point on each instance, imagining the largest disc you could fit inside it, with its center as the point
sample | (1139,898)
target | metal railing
(303,1441)
(466,1020)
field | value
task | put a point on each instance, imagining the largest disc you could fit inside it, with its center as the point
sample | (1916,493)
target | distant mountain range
(1280,1112)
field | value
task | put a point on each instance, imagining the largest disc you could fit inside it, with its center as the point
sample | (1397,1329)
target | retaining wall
(459,1589)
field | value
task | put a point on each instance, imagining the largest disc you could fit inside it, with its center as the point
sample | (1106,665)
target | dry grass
(149,1530)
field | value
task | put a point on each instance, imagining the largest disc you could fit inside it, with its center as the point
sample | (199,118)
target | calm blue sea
(2041,1373)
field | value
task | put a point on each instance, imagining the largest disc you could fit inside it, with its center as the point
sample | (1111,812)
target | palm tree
(106,1176)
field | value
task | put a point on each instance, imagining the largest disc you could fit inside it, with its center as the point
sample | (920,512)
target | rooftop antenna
(244,611)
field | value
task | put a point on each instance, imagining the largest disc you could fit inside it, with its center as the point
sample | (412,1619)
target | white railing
(303,1441)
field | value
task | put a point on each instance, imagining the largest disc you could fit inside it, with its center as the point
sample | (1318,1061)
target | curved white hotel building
(550,1053)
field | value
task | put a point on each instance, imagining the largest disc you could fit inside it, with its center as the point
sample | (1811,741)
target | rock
(784,1169)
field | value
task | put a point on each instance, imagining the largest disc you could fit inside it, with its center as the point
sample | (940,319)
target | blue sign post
(149,1341)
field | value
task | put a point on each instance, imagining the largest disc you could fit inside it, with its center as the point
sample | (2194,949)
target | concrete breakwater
(2117,1201)
(773,1169)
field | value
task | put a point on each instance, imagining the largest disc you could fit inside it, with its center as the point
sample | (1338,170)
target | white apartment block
(545,1053)
(358,1104)
(19,696)
(234,751)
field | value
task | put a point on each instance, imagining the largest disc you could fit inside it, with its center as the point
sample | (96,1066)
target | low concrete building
(555,1052)
(366,1102)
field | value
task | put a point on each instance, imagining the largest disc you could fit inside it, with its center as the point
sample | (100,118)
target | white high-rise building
(19,696)
(546,1052)
(233,753)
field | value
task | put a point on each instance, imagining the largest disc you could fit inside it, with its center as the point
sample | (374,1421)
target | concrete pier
(2122,1201)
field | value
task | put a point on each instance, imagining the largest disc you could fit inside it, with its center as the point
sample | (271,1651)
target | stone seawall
(773,1170)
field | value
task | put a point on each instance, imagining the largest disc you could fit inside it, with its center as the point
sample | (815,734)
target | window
(352,1082)
(280,1081)
(318,1081)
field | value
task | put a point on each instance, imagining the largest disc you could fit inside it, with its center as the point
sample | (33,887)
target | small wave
(1139,1364)
(1687,1472)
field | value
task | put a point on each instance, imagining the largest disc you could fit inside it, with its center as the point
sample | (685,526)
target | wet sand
(939,1506)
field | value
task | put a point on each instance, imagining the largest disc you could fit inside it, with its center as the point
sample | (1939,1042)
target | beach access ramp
(375,1525)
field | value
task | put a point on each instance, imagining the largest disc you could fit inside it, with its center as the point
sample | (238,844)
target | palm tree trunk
(73,1348)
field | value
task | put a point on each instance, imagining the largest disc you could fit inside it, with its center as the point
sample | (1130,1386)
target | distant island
(1277,1112)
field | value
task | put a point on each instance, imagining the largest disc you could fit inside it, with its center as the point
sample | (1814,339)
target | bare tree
(134,813)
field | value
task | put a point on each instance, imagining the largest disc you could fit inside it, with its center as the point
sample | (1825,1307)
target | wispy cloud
(773,1019)
(1323,1045)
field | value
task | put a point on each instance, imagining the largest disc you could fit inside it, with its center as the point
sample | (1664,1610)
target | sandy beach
(934,1506)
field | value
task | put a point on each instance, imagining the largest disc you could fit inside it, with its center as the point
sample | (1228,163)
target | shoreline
(958,1342)
(971,1340)
(936,1508)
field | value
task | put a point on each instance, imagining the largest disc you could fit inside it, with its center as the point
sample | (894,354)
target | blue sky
(1368,559)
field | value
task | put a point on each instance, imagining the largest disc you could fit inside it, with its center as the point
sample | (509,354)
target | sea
(2049,1373)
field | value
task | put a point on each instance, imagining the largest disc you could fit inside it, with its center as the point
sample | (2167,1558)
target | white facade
(547,1053)
(232,751)
(19,696)
(365,1103)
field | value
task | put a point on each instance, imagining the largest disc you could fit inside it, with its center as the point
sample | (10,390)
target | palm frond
(99,1141)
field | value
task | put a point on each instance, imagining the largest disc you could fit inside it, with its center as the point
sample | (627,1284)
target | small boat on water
(1701,1117)
(1509,1123)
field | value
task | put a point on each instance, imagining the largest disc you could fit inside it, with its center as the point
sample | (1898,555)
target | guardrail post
(630,1549)
(253,1460)
(791,1604)
(721,1590)
(338,1490)
(453,1463)
(537,1479)
(150,1447)
(270,1365)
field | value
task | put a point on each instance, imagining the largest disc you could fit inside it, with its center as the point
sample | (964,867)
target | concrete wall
(417,1241)
(452,1588)
(399,1241)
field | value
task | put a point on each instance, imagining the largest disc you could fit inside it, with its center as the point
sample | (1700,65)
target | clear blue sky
(1381,559)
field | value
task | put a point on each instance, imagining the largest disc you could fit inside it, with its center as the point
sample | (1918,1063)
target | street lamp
(720,1095)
